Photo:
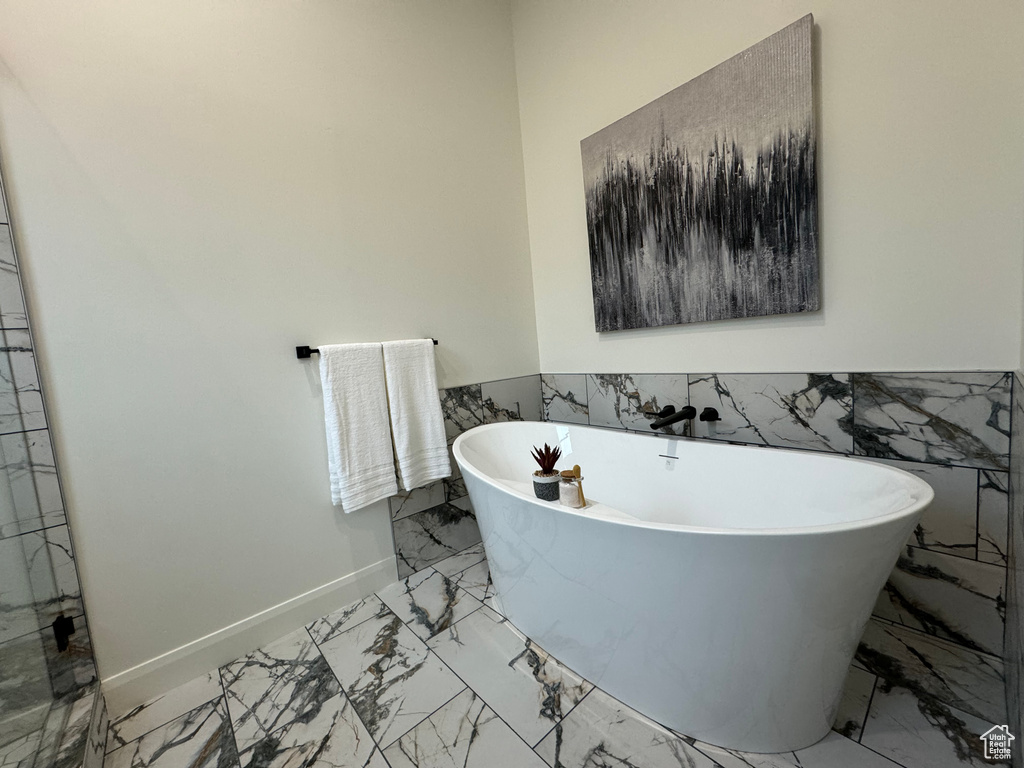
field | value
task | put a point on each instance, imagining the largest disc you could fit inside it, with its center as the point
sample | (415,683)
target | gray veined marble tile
(602,731)
(853,706)
(943,418)
(407,503)
(25,693)
(461,561)
(38,581)
(21,402)
(950,597)
(454,487)
(939,674)
(834,751)
(21,752)
(787,410)
(428,602)
(96,743)
(54,577)
(52,731)
(527,688)
(512,399)
(198,739)
(630,401)
(135,723)
(462,408)
(993,516)
(31,482)
(74,736)
(476,580)
(334,737)
(390,676)
(72,669)
(564,396)
(731,758)
(12,305)
(345,618)
(268,688)
(899,728)
(464,733)
(950,522)
(24,726)
(432,535)
(1014,650)
(18,615)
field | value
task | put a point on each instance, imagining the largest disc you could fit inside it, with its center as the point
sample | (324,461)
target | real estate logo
(997,742)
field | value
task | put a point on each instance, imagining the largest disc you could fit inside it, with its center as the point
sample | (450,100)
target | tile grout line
(227,712)
(867,709)
(941,641)
(164,723)
(344,692)
(470,688)
(475,693)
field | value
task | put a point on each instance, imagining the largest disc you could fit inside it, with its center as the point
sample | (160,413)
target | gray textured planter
(546,488)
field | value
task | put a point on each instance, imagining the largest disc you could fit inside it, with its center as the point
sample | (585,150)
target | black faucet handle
(710,414)
(668,410)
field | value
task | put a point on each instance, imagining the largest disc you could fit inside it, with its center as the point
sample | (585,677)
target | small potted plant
(546,479)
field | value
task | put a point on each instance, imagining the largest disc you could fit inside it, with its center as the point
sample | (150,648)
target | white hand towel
(417,425)
(359,451)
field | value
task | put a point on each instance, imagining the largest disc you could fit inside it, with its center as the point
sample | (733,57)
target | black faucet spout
(669,415)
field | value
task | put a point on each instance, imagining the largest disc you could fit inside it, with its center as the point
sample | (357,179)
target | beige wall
(199,187)
(921,182)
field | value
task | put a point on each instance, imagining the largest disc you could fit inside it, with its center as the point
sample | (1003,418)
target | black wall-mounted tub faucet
(669,415)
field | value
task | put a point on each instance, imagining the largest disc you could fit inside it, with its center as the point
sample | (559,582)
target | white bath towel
(417,426)
(359,451)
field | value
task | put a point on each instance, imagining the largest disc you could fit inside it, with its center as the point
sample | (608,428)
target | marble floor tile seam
(867,710)
(940,641)
(496,713)
(867,720)
(21,431)
(347,628)
(227,713)
(456,573)
(33,530)
(344,693)
(36,606)
(189,711)
(950,552)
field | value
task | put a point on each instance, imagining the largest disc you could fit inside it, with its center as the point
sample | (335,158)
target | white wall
(921,183)
(199,187)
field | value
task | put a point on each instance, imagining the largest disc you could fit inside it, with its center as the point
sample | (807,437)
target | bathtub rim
(919,504)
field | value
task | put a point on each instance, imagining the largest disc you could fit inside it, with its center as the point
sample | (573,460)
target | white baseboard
(137,685)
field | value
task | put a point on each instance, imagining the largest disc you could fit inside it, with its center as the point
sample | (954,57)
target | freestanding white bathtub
(720,590)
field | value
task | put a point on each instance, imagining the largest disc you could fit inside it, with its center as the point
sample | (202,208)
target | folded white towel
(417,425)
(359,452)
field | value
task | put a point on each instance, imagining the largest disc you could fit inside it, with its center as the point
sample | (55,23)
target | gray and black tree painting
(702,205)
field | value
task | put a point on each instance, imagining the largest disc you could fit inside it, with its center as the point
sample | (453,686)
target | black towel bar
(304,352)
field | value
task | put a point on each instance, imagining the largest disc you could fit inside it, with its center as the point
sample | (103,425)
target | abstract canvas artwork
(702,205)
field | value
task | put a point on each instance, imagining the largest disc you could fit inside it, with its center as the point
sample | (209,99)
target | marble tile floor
(428,673)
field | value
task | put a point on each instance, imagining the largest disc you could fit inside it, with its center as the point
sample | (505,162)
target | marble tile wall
(1014,638)
(434,522)
(952,429)
(38,575)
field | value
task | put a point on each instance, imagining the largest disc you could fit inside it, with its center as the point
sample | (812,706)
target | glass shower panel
(33,537)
